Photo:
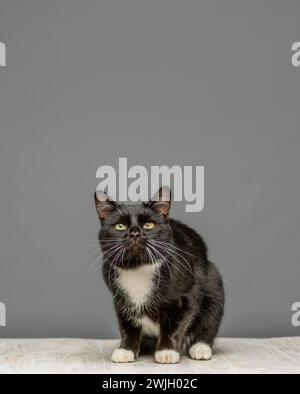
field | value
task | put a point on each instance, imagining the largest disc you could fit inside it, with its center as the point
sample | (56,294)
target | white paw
(200,351)
(122,356)
(166,356)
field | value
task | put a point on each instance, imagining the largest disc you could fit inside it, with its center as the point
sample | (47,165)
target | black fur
(187,299)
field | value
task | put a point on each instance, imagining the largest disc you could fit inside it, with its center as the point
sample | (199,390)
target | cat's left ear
(161,202)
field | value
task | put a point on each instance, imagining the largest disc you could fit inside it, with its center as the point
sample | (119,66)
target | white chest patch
(138,282)
(149,327)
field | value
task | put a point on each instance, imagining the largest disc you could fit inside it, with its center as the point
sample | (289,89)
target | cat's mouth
(135,246)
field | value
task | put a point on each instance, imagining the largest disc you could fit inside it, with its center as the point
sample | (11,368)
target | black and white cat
(168,296)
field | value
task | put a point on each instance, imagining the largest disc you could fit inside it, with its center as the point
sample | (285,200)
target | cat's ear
(161,201)
(104,205)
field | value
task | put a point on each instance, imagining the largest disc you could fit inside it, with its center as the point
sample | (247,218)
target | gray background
(160,82)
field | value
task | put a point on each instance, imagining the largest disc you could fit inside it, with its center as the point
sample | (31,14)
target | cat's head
(130,234)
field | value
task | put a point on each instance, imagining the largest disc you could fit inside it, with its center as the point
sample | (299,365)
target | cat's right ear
(104,205)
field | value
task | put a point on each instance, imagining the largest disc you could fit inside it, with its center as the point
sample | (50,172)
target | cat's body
(168,296)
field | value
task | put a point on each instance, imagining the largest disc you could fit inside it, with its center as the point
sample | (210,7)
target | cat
(169,298)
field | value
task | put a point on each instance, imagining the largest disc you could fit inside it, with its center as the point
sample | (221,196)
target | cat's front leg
(166,352)
(130,343)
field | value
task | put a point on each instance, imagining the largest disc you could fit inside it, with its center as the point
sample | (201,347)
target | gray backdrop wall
(160,82)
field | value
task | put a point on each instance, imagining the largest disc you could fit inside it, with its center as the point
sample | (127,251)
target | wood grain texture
(231,355)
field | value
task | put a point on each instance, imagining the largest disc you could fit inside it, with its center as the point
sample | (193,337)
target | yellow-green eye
(149,226)
(120,227)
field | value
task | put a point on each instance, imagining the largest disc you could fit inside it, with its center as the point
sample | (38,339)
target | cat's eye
(120,227)
(148,226)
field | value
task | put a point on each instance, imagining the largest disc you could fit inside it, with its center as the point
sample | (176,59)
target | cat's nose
(135,234)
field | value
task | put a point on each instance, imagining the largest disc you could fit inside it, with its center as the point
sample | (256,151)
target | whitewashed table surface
(231,355)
